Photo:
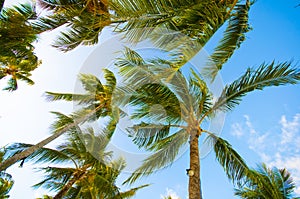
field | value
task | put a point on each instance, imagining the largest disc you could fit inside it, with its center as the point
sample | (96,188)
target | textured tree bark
(194,172)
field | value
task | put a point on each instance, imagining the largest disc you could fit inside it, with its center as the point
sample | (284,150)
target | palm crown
(17,58)
(187,103)
(89,170)
(266,183)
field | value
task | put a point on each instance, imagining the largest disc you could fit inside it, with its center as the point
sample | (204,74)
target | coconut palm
(266,183)
(95,103)
(6,181)
(17,58)
(84,21)
(155,20)
(187,104)
(88,170)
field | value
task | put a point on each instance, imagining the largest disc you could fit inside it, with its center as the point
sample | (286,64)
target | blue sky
(265,127)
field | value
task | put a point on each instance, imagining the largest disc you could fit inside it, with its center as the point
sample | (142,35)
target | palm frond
(63,121)
(233,36)
(168,150)
(91,83)
(12,85)
(79,98)
(195,19)
(43,155)
(200,92)
(267,183)
(55,178)
(232,163)
(145,135)
(149,96)
(129,193)
(111,81)
(265,76)
(85,29)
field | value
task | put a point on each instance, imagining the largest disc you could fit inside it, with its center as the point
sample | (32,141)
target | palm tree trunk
(67,187)
(194,172)
(10,161)
(17,157)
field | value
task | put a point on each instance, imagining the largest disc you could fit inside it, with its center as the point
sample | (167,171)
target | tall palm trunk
(194,172)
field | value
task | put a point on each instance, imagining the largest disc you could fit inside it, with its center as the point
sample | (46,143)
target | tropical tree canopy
(17,34)
(266,183)
(80,167)
(185,103)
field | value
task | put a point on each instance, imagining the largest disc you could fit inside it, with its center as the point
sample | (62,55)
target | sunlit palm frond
(200,92)
(232,163)
(155,102)
(267,183)
(145,135)
(56,4)
(192,18)
(233,36)
(25,78)
(266,75)
(133,67)
(63,121)
(12,85)
(79,98)
(167,150)
(55,177)
(42,155)
(6,183)
(130,193)
(91,83)
(111,80)
(84,29)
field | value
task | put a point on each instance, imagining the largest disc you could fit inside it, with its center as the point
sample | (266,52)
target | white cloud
(289,129)
(171,193)
(249,124)
(280,149)
(237,130)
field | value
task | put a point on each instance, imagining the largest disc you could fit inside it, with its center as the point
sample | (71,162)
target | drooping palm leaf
(167,150)
(233,36)
(232,163)
(145,135)
(42,155)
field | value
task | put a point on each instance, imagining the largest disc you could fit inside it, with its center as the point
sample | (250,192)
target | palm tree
(143,19)
(265,183)
(6,181)
(96,103)
(17,58)
(83,19)
(187,104)
(88,171)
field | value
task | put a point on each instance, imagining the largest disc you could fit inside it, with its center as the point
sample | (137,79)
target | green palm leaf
(266,75)
(167,150)
(234,35)
(55,177)
(267,183)
(145,135)
(232,163)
